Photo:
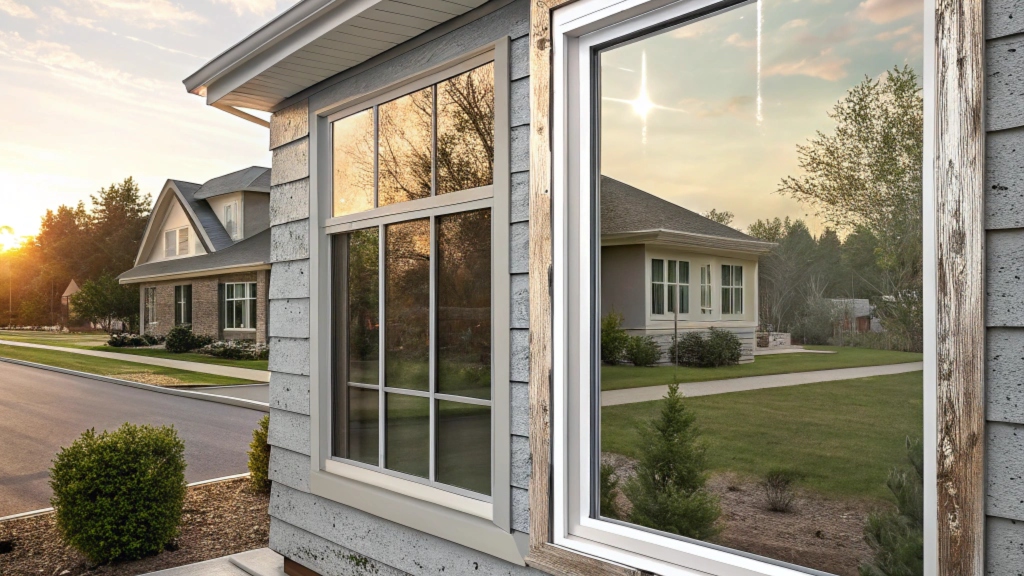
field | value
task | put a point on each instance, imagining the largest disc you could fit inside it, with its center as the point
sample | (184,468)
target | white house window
(231,215)
(149,297)
(183,304)
(176,242)
(413,390)
(240,305)
(723,132)
(657,286)
(705,289)
(732,289)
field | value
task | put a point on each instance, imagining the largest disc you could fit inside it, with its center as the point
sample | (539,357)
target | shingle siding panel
(289,431)
(289,279)
(520,409)
(1004,82)
(289,124)
(323,556)
(289,468)
(289,202)
(520,57)
(1004,547)
(290,318)
(521,510)
(289,355)
(1004,179)
(521,462)
(400,547)
(291,162)
(520,101)
(520,149)
(520,196)
(290,241)
(519,248)
(520,301)
(1003,18)
(1004,374)
(1004,282)
(289,392)
(520,356)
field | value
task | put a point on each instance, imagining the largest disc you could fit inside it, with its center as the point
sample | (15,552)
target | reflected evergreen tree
(896,537)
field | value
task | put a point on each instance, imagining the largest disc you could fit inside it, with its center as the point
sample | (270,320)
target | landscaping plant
(125,340)
(182,339)
(896,537)
(669,491)
(642,350)
(609,490)
(778,490)
(119,495)
(717,347)
(259,456)
(613,338)
(236,350)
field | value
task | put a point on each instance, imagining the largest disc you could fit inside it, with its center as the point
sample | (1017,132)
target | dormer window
(176,242)
(231,220)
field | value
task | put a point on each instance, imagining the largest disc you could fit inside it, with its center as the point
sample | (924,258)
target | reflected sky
(702,85)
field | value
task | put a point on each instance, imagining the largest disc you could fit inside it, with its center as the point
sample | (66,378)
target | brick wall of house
(206,307)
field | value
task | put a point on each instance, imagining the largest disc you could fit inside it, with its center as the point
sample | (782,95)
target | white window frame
(177,242)
(707,290)
(731,287)
(236,207)
(249,295)
(576,29)
(673,289)
(480,525)
(149,305)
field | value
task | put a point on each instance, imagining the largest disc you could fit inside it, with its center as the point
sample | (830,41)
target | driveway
(41,411)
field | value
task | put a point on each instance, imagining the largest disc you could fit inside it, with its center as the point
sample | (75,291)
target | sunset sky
(704,145)
(93,94)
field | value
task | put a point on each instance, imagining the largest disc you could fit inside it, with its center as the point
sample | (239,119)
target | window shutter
(187,296)
(221,308)
(183,241)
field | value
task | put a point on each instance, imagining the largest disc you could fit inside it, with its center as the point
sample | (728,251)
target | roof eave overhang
(233,269)
(687,240)
(292,30)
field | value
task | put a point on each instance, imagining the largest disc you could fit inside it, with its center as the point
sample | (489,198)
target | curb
(43,511)
(240,402)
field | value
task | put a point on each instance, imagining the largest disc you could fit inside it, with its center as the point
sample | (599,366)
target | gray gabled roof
(253,251)
(251,179)
(628,209)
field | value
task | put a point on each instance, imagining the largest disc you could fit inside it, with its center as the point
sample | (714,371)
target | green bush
(613,338)
(778,489)
(669,491)
(609,490)
(896,537)
(125,340)
(259,457)
(119,495)
(714,348)
(182,339)
(236,350)
(642,351)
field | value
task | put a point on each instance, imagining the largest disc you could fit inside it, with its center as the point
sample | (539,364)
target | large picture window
(412,285)
(149,312)
(780,148)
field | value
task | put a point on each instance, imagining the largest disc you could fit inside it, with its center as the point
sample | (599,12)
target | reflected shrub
(777,489)
(642,351)
(896,537)
(609,491)
(669,491)
(613,338)
(710,349)
(236,350)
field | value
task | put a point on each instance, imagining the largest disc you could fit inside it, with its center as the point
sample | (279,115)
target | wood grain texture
(959,181)
(544,555)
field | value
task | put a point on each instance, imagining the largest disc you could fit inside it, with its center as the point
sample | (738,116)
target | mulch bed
(820,533)
(219,519)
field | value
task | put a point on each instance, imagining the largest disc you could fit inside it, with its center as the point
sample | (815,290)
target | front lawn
(93,341)
(115,368)
(619,377)
(841,437)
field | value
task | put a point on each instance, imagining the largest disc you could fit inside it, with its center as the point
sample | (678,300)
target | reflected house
(665,268)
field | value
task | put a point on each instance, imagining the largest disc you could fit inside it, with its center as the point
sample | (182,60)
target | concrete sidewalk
(254,392)
(709,387)
(230,371)
(259,562)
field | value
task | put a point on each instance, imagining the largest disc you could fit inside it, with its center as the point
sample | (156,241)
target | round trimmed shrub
(642,351)
(182,339)
(119,495)
(712,349)
(259,456)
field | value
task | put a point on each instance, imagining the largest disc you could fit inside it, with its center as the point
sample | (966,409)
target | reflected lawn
(841,437)
(619,377)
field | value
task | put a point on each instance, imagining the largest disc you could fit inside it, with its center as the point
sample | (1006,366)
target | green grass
(93,341)
(116,368)
(619,377)
(841,438)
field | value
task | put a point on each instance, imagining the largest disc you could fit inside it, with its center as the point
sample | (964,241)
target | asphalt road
(41,411)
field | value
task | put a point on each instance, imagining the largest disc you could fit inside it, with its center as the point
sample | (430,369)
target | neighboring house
(364,477)
(857,315)
(204,259)
(66,307)
(700,274)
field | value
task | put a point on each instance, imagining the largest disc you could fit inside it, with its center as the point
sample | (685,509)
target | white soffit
(312,41)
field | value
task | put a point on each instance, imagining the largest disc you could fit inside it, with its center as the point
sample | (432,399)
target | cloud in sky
(794,23)
(885,11)
(146,14)
(260,7)
(62,15)
(737,39)
(825,66)
(12,8)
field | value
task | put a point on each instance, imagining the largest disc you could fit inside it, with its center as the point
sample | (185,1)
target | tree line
(91,246)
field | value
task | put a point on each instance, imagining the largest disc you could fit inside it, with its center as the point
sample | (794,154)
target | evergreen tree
(897,536)
(668,491)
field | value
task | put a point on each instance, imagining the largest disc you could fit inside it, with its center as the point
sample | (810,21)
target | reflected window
(437,140)
(776,149)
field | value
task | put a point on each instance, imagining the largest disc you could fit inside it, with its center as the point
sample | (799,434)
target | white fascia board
(690,240)
(288,33)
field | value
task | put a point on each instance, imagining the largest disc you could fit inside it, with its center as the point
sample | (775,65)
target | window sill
(463,504)
(239,329)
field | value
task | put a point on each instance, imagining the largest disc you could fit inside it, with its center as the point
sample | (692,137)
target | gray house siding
(323,535)
(1004,285)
